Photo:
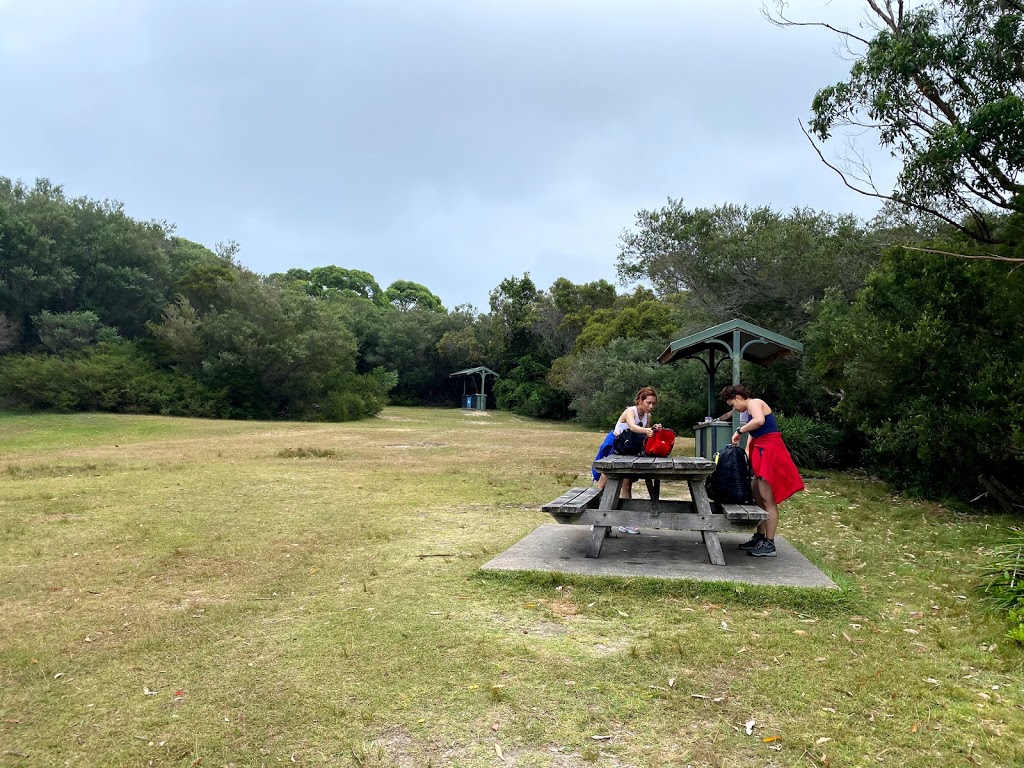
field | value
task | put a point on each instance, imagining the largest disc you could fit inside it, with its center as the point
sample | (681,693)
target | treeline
(914,362)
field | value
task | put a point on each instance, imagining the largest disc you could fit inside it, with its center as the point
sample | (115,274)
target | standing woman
(635,418)
(776,477)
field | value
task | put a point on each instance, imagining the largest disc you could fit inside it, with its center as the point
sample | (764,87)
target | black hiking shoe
(756,539)
(764,548)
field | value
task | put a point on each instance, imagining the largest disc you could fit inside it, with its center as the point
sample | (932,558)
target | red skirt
(770,460)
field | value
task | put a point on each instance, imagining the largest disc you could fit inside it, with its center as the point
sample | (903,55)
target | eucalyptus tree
(941,86)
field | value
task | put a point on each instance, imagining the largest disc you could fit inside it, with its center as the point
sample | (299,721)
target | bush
(812,444)
(1002,584)
(108,377)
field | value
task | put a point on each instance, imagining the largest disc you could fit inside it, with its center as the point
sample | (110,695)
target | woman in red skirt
(775,475)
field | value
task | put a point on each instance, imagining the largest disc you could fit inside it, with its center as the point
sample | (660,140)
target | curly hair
(735,390)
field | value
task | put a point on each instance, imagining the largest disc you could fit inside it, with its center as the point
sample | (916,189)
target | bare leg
(627,489)
(602,481)
(766,500)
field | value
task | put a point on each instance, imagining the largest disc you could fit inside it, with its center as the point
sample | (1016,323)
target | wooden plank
(739,512)
(574,500)
(568,496)
(587,498)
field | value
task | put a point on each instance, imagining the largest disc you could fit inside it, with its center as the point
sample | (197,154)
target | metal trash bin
(479,402)
(467,401)
(710,437)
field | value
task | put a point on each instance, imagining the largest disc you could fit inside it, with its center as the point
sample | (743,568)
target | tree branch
(982,256)
(923,209)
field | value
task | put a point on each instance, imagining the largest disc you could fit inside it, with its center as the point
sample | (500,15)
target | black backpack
(629,443)
(730,482)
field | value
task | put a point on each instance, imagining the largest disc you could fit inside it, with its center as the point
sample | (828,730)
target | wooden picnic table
(605,510)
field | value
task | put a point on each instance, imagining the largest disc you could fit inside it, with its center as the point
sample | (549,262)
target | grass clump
(308,453)
(1002,583)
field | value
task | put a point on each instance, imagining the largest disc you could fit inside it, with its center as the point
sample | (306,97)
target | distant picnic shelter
(476,400)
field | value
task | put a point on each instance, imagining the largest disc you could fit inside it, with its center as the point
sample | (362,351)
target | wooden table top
(653,466)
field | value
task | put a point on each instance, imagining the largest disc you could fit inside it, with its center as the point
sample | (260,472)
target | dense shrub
(928,366)
(813,444)
(106,377)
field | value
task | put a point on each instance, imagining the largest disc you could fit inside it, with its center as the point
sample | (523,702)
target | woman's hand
(736,437)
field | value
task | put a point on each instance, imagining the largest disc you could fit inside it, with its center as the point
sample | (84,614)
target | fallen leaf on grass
(498,752)
(702,696)
(824,740)
(770,739)
(800,632)
(494,726)
(913,728)
(671,682)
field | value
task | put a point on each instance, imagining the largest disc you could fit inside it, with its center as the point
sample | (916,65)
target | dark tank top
(769,426)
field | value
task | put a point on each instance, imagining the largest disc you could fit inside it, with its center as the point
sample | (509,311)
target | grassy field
(179,592)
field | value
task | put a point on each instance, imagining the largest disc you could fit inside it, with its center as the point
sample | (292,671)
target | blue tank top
(769,426)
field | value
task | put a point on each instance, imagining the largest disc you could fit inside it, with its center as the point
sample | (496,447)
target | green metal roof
(470,371)
(756,344)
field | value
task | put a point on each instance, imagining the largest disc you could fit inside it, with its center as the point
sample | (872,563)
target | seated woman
(634,418)
(776,477)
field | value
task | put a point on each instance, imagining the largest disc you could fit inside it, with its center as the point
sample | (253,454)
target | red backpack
(660,443)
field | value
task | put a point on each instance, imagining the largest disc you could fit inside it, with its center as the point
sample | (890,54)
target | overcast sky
(450,142)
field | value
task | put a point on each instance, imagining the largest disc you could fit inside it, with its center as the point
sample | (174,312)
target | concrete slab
(657,554)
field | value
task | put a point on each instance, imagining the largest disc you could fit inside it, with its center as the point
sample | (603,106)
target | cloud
(450,142)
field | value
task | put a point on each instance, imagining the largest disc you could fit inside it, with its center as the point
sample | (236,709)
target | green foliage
(929,361)
(406,341)
(645,320)
(71,330)
(813,444)
(274,354)
(605,381)
(941,83)
(407,295)
(1002,583)
(525,390)
(106,377)
(753,264)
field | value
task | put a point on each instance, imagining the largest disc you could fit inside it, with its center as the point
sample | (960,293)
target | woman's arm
(755,409)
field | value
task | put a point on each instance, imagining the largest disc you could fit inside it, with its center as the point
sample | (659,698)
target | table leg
(654,491)
(703,508)
(610,495)
(714,547)
(609,500)
(601,532)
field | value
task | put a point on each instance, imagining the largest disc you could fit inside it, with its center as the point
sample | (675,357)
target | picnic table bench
(605,510)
